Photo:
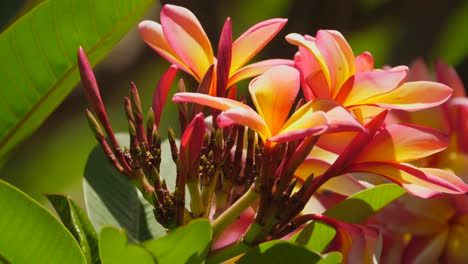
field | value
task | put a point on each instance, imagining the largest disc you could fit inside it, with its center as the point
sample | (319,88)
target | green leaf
(279,251)
(355,209)
(186,244)
(114,248)
(31,234)
(112,200)
(78,224)
(39,57)
(332,258)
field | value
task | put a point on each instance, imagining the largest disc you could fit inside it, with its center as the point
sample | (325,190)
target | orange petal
(244,117)
(151,32)
(304,122)
(253,40)
(413,96)
(403,143)
(372,83)
(422,182)
(274,93)
(364,62)
(208,100)
(311,47)
(256,69)
(338,55)
(340,119)
(187,38)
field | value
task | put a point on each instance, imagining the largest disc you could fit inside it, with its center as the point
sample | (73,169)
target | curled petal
(311,47)
(256,69)
(372,83)
(422,182)
(413,96)
(340,119)
(274,93)
(338,56)
(403,143)
(253,40)
(187,38)
(244,117)
(208,100)
(302,124)
(153,35)
(162,90)
(364,62)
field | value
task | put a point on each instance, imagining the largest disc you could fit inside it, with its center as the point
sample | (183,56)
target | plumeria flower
(434,229)
(273,94)
(387,150)
(181,40)
(330,70)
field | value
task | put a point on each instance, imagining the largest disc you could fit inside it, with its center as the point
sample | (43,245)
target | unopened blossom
(180,39)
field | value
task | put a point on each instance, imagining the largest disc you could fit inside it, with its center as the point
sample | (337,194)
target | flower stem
(196,203)
(233,212)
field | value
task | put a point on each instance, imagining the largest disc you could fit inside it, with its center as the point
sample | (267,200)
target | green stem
(228,252)
(207,194)
(196,203)
(233,212)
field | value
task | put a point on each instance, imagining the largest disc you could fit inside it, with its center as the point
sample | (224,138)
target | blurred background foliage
(395,32)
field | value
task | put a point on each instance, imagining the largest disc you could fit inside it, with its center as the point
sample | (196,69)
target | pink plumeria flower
(181,40)
(330,70)
(273,94)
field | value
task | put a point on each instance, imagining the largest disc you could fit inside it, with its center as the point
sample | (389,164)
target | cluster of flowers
(324,125)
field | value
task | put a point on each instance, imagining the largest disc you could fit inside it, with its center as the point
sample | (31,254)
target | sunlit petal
(253,40)
(403,143)
(422,182)
(364,62)
(152,34)
(311,47)
(340,119)
(187,38)
(371,83)
(256,69)
(338,55)
(274,93)
(208,100)
(413,96)
(302,123)
(244,117)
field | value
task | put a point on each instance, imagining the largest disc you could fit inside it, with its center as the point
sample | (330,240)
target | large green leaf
(38,54)
(31,234)
(76,221)
(115,249)
(112,200)
(186,244)
(355,209)
(279,251)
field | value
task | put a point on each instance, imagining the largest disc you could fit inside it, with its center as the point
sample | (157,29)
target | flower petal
(422,182)
(152,33)
(372,83)
(340,119)
(413,96)
(162,90)
(244,117)
(253,40)
(208,100)
(364,62)
(426,249)
(338,56)
(455,250)
(274,93)
(419,72)
(302,123)
(187,38)
(403,143)
(311,47)
(448,76)
(224,59)
(256,69)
